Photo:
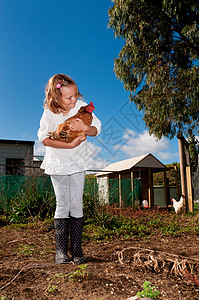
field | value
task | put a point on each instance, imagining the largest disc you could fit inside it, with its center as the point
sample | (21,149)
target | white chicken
(178,205)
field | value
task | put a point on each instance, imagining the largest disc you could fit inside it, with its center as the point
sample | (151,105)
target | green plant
(4,298)
(81,272)
(148,291)
(171,228)
(24,198)
(51,288)
(96,232)
(58,276)
(25,249)
(90,205)
(96,211)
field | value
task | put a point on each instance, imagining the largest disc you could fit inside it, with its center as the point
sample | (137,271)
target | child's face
(69,96)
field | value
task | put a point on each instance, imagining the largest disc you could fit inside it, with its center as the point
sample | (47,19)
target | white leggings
(69,195)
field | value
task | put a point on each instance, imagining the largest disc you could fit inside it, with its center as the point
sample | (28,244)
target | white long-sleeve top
(65,161)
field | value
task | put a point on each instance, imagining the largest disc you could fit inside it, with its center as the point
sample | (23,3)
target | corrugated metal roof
(146,160)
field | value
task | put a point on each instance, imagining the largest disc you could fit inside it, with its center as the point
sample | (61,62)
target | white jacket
(65,161)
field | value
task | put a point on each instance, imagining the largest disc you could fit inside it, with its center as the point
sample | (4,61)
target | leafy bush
(25,198)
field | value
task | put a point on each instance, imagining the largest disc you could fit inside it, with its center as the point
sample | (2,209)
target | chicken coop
(130,182)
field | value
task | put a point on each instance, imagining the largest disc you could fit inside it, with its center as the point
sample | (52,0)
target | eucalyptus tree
(158,63)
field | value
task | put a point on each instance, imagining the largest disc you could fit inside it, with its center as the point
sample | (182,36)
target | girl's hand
(63,145)
(76,142)
(78,125)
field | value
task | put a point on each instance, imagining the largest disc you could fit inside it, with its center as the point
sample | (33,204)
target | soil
(115,269)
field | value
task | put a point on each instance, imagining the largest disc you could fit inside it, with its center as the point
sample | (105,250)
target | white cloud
(167,155)
(96,153)
(40,149)
(138,144)
(93,149)
(100,164)
(135,144)
(129,134)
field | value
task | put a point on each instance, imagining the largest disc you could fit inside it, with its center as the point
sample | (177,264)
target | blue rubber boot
(76,228)
(62,227)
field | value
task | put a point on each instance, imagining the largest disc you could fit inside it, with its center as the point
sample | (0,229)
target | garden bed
(117,265)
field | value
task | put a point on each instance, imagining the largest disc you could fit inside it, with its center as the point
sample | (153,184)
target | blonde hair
(53,93)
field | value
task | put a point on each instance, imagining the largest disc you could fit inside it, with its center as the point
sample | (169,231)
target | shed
(131,180)
(13,154)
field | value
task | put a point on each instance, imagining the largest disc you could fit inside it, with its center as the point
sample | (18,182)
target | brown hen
(65,134)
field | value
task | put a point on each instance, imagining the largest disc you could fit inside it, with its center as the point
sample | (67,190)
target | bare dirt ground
(116,269)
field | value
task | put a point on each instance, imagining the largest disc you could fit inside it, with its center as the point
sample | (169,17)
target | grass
(126,223)
(25,249)
(79,274)
(105,222)
(142,223)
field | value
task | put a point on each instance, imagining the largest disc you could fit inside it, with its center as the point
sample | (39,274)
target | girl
(66,163)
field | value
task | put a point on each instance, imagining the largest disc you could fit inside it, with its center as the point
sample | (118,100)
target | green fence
(36,194)
(40,187)
(91,186)
(126,192)
(29,197)
(15,187)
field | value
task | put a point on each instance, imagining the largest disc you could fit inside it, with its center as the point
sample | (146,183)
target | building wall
(20,150)
(103,189)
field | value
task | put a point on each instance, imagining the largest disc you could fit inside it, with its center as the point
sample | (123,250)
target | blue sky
(43,38)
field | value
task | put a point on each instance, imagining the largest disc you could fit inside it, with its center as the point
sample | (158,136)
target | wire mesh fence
(20,186)
(32,194)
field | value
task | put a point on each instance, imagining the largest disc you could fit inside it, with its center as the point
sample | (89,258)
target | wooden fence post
(185,171)
(165,187)
(189,189)
(120,191)
(132,185)
(150,190)
(177,181)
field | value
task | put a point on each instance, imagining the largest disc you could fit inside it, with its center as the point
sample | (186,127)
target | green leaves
(160,59)
(148,291)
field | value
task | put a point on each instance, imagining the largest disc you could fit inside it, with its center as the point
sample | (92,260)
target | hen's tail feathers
(62,136)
